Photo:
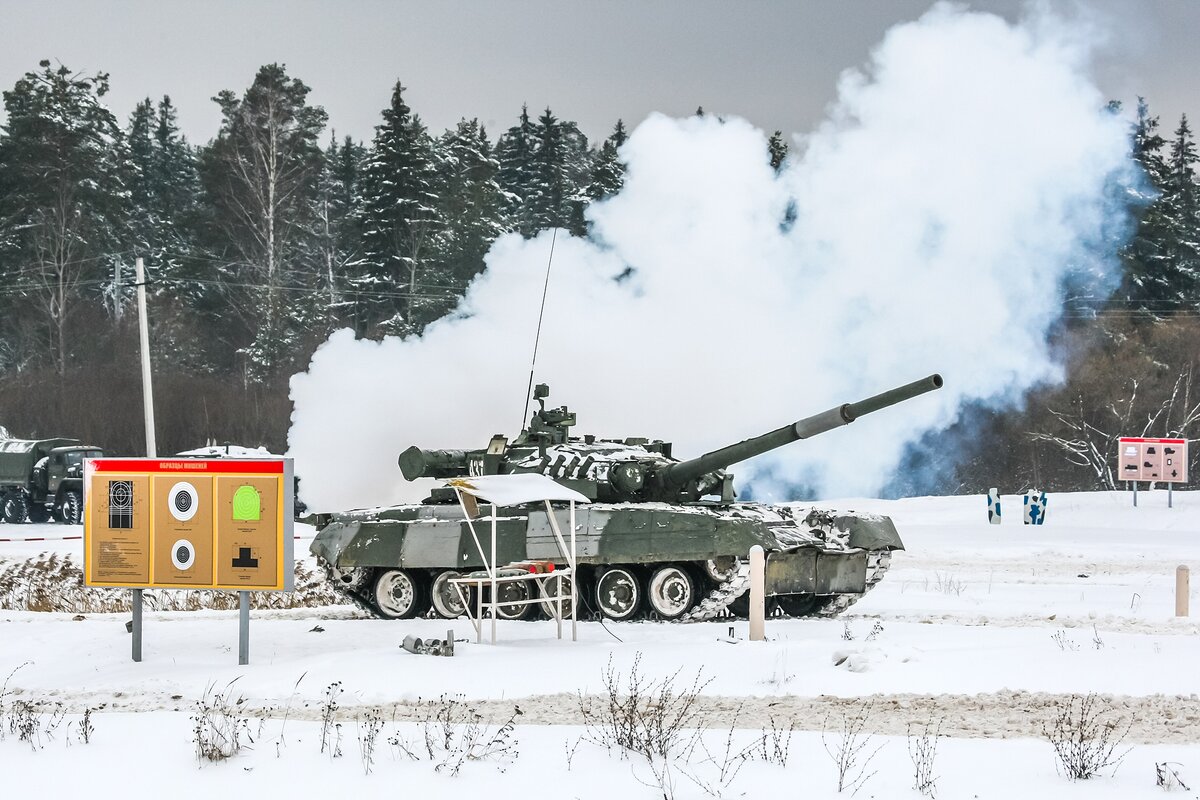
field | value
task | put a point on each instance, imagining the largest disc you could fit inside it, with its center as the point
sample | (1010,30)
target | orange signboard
(189,523)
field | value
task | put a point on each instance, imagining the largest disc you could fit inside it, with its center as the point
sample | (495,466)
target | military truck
(42,479)
(662,538)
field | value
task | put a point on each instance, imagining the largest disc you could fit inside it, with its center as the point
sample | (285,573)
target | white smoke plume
(963,178)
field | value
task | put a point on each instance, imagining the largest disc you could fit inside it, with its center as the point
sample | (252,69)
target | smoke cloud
(963,181)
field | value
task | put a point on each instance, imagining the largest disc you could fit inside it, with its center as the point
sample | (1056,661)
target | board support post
(243,627)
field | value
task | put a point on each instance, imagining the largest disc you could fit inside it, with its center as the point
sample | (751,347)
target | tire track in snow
(1156,719)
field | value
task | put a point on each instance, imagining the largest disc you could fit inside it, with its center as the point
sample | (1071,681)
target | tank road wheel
(443,595)
(740,605)
(72,508)
(512,592)
(399,594)
(799,605)
(618,595)
(721,569)
(15,510)
(551,587)
(671,591)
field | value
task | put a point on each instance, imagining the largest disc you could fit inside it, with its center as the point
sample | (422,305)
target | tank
(663,538)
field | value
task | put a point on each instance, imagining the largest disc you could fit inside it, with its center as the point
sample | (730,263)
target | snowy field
(984,630)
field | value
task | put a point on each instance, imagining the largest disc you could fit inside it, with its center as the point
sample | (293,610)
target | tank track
(349,593)
(714,605)
(720,596)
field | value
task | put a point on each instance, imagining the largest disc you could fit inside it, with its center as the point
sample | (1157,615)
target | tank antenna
(537,338)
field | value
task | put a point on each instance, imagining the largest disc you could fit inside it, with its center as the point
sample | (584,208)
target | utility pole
(151,447)
(147,390)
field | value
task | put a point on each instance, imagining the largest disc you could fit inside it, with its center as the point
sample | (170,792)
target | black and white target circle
(183,501)
(183,554)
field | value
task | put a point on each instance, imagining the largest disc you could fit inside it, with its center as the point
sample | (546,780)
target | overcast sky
(775,63)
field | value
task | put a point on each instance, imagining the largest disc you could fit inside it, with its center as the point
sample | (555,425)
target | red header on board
(211,466)
(1141,439)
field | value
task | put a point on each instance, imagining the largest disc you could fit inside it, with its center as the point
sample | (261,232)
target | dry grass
(53,582)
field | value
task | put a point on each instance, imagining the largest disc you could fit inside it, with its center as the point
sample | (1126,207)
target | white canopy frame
(509,490)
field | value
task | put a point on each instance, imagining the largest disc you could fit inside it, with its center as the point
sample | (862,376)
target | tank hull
(818,562)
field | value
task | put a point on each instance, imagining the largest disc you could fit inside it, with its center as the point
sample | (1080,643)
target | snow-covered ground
(985,629)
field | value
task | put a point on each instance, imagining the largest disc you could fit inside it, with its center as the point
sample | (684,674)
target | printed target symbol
(183,554)
(183,501)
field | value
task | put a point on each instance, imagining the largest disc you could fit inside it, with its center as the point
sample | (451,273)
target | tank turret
(635,469)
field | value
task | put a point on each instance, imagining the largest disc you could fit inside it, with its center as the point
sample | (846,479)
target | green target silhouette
(246,504)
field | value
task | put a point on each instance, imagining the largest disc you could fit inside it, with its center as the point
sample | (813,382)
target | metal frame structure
(509,490)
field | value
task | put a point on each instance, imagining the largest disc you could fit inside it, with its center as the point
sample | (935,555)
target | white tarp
(515,489)
(228,451)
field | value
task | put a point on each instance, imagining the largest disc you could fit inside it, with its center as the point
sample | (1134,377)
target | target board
(189,523)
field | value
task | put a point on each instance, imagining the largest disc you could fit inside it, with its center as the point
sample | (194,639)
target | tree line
(275,232)
(257,243)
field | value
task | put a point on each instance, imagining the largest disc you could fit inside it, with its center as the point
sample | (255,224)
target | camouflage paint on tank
(652,511)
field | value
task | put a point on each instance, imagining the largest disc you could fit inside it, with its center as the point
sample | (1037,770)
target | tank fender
(866,531)
(333,540)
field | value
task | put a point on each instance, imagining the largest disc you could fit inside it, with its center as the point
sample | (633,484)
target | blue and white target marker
(1035,507)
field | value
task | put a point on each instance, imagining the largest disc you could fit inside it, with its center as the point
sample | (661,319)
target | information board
(1144,459)
(189,523)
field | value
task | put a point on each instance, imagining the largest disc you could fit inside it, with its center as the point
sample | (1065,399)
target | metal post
(574,576)
(758,598)
(1170,486)
(479,613)
(147,390)
(137,624)
(243,627)
(1182,590)
(1135,494)
(492,568)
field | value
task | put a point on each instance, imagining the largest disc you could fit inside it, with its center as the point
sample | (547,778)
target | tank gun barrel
(679,474)
(417,463)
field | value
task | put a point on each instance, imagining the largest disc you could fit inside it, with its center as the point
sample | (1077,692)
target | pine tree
(260,175)
(63,205)
(560,170)
(608,171)
(1183,198)
(337,211)
(471,206)
(401,223)
(515,152)
(164,187)
(1155,270)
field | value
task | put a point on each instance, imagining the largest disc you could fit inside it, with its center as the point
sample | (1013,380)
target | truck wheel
(671,591)
(72,508)
(618,594)
(15,510)
(400,594)
(38,513)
